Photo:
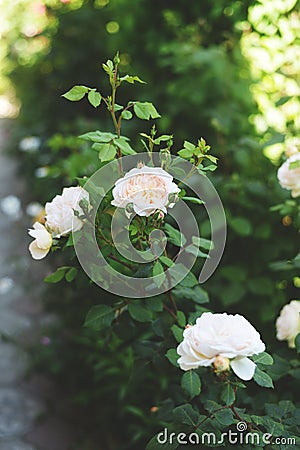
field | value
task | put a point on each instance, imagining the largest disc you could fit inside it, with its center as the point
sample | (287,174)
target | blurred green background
(225,70)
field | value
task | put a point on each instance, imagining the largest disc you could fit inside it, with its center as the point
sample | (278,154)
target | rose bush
(131,333)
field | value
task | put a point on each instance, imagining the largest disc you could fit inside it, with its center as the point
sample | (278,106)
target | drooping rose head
(147,189)
(289,176)
(60,217)
(288,323)
(42,243)
(216,336)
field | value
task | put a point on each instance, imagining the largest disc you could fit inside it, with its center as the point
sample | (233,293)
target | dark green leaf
(172,356)
(162,441)
(181,318)
(191,383)
(174,236)
(139,312)
(186,414)
(263,358)
(228,395)
(99,317)
(71,274)
(57,275)
(177,333)
(263,379)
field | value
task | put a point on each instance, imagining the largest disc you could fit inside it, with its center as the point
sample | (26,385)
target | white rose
(288,323)
(220,335)
(290,178)
(147,189)
(40,247)
(60,217)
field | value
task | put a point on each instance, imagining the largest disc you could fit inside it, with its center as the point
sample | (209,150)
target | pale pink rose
(147,189)
(40,247)
(289,178)
(220,335)
(288,323)
(60,217)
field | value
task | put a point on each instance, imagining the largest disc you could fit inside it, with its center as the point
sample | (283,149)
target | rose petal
(36,252)
(244,368)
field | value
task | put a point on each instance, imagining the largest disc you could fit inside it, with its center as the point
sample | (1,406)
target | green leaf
(107,152)
(166,261)
(181,318)
(207,244)
(131,79)
(173,356)
(76,93)
(241,226)
(228,395)
(196,294)
(158,273)
(185,153)
(297,342)
(224,416)
(145,110)
(139,312)
(98,136)
(57,276)
(263,379)
(186,414)
(71,274)
(94,98)
(162,138)
(99,317)
(174,236)
(127,115)
(122,143)
(196,251)
(177,333)
(195,200)
(191,383)
(263,358)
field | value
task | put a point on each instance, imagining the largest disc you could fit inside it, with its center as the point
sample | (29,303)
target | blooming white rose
(60,217)
(147,189)
(289,178)
(220,335)
(288,323)
(40,247)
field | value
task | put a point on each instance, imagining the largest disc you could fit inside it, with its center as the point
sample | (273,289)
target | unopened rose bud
(221,364)
(173,198)
(161,215)
(154,409)
(140,165)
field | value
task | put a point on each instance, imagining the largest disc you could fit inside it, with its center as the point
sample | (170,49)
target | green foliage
(198,79)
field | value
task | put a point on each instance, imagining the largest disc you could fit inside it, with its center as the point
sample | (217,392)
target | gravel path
(28,405)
